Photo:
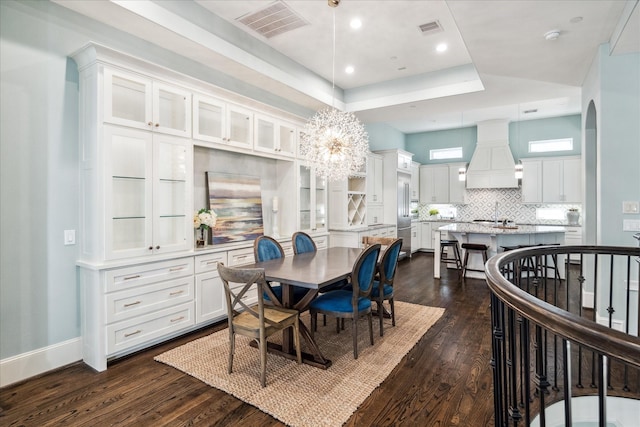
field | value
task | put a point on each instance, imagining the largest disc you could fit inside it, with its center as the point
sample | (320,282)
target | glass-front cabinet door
(287,141)
(147,193)
(240,123)
(172,221)
(265,134)
(209,119)
(128,192)
(135,101)
(312,210)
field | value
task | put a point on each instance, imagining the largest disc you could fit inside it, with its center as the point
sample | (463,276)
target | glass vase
(202,237)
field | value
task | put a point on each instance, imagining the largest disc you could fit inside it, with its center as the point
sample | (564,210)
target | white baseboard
(26,365)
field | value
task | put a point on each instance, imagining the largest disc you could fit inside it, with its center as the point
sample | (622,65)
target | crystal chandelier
(333,141)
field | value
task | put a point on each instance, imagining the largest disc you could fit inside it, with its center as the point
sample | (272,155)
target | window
(548,145)
(445,153)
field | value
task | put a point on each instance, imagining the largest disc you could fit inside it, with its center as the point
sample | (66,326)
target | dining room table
(313,271)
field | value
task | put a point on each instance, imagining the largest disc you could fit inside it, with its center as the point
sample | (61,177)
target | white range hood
(492,164)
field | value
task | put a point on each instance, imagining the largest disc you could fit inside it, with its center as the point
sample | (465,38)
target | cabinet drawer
(129,277)
(322,242)
(209,262)
(129,333)
(138,301)
(240,257)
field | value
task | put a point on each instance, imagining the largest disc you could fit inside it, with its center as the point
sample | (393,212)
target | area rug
(301,395)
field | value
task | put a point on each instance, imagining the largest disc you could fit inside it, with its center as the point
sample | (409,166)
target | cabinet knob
(157,124)
(158,247)
(150,248)
(150,123)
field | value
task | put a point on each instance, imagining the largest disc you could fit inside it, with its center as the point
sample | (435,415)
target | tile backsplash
(482,204)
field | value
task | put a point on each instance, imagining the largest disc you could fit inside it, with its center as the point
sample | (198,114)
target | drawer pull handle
(177,319)
(176,269)
(132,303)
(137,276)
(176,293)
(132,333)
(211,262)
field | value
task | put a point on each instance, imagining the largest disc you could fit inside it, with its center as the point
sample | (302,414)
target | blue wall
(520,133)
(384,137)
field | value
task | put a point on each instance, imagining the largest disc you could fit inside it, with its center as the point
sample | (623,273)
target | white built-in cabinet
(141,280)
(562,180)
(221,122)
(348,202)
(415,181)
(415,237)
(552,180)
(426,240)
(137,101)
(274,136)
(312,200)
(441,184)
(147,181)
(375,205)
(434,184)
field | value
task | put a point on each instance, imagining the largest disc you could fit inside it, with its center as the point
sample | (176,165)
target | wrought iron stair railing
(560,336)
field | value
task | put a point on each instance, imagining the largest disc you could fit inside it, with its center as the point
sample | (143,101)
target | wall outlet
(631,225)
(69,237)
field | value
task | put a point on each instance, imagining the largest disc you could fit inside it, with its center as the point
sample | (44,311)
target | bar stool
(478,247)
(457,259)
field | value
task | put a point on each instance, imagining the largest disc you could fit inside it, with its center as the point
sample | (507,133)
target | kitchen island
(495,236)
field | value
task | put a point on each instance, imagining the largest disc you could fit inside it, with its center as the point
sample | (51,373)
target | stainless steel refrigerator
(404,212)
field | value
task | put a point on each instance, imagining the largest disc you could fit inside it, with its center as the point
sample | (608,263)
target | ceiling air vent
(430,28)
(277,18)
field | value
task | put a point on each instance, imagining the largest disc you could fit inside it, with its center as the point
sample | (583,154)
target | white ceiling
(498,63)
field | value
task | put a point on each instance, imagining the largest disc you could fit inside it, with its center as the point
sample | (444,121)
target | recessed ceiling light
(441,47)
(356,23)
(349,69)
(552,35)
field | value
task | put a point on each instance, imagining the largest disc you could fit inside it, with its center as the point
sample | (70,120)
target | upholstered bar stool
(473,247)
(456,259)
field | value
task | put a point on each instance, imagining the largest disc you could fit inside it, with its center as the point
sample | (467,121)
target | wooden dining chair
(266,248)
(383,284)
(258,321)
(302,243)
(352,303)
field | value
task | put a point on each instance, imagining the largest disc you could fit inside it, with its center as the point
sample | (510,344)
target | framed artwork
(237,201)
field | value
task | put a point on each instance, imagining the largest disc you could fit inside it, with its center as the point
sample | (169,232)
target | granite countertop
(476,228)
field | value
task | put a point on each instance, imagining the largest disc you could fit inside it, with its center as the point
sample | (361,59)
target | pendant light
(334,142)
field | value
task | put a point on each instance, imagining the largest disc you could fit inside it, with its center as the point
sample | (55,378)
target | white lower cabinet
(210,300)
(426,240)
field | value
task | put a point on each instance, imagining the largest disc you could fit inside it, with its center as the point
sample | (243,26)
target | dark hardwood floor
(444,380)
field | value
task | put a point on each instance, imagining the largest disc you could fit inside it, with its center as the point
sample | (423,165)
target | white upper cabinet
(274,136)
(434,184)
(561,182)
(457,188)
(217,121)
(374,179)
(140,102)
(415,182)
(312,206)
(531,181)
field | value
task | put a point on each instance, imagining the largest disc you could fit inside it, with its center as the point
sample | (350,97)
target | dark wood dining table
(313,271)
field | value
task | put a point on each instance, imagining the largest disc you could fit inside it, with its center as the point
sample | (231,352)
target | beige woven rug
(301,395)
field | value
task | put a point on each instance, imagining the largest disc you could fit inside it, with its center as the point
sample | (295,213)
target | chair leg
(263,360)
(393,312)
(464,264)
(370,317)
(232,348)
(354,333)
(296,339)
(314,321)
(337,325)
(380,316)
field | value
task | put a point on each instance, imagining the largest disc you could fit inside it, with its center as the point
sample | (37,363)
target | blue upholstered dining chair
(266,248)
(383,286)
(354,303)
(302,243)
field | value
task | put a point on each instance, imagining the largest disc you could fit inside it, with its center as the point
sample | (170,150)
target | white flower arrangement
(204,219)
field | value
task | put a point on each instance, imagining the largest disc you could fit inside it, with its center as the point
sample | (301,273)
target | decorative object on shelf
(433,213)
(573,216)
(237,200)
(519,173)
(333,141)
(203,220)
